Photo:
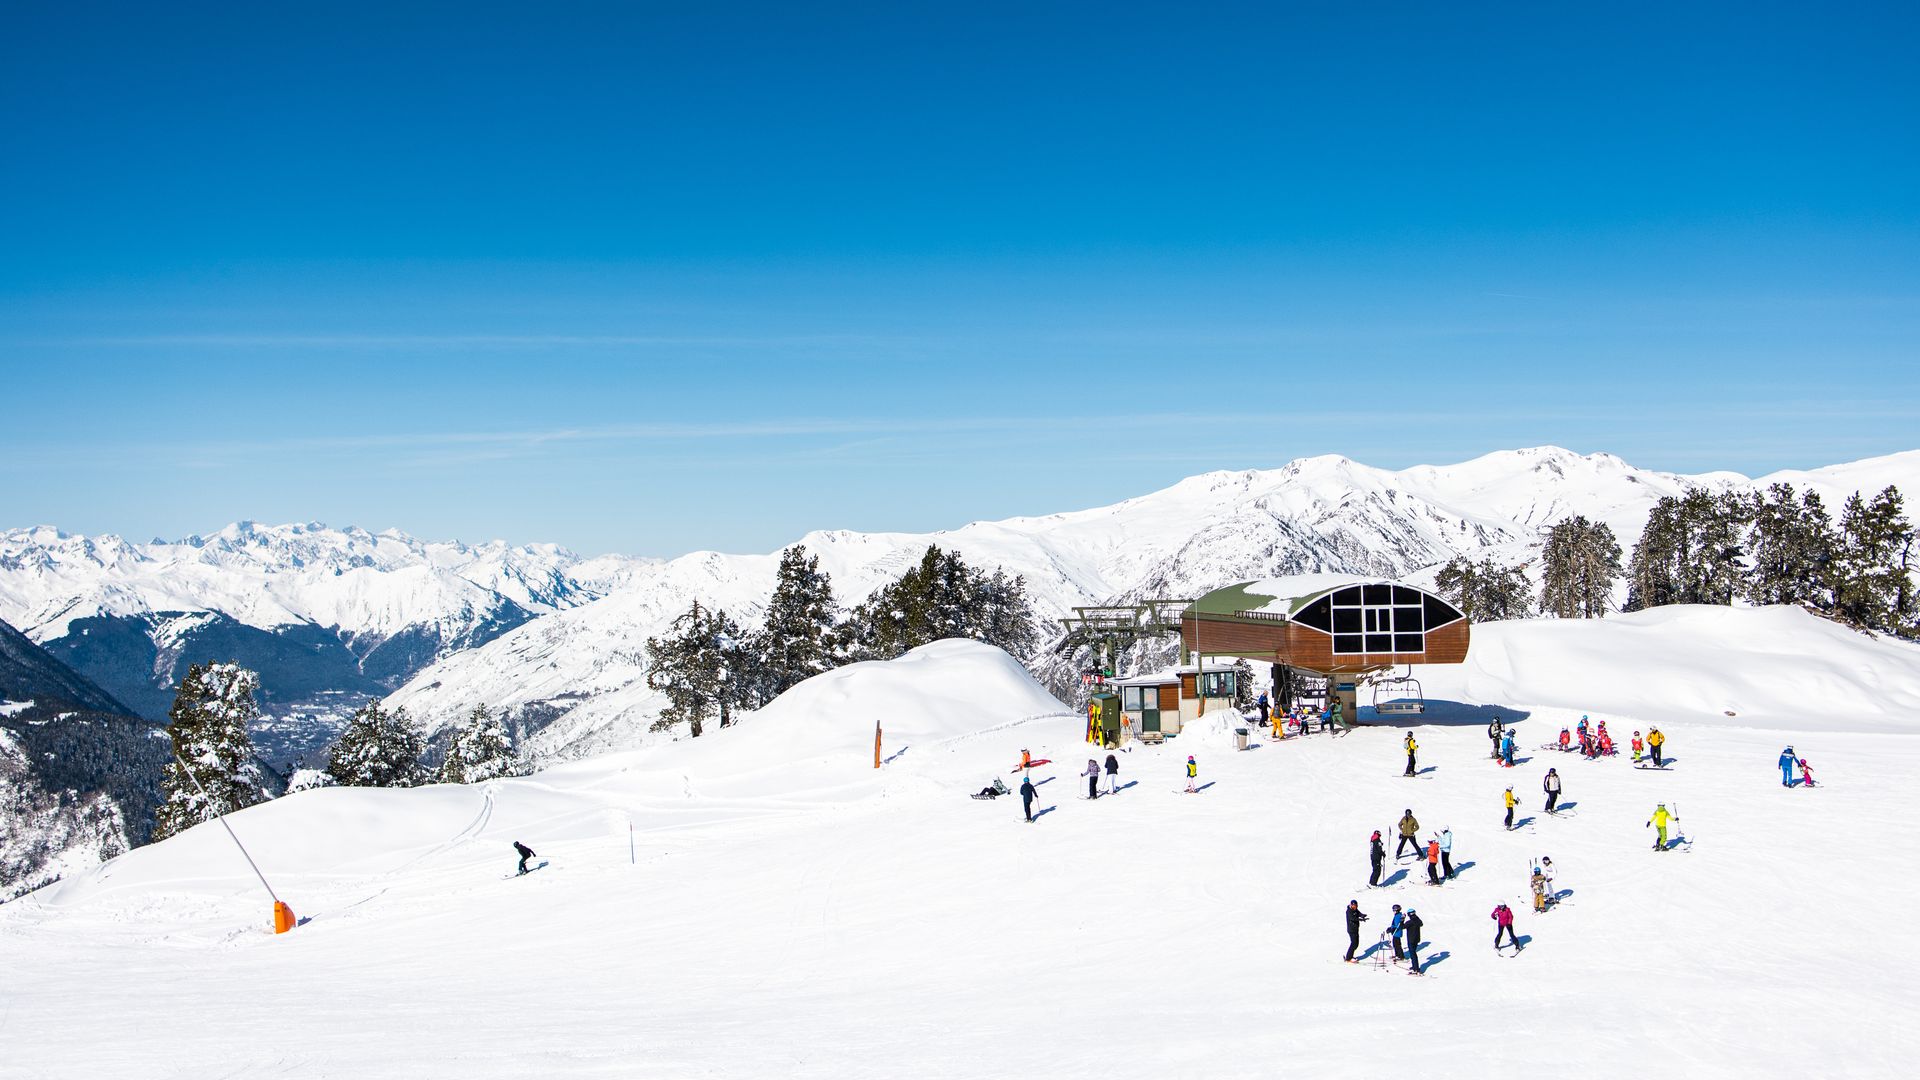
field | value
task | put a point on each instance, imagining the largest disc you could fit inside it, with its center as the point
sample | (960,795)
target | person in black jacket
(1026,798)
(1354,918)
(1494,731)
(1113,775)
(1378,855)
(525,854)
(1412,926)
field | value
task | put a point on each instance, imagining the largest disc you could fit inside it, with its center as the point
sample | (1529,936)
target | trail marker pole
(283,919)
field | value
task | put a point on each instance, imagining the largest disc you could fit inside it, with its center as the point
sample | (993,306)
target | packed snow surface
(763,902)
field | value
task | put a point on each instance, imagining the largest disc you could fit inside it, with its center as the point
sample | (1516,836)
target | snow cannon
(283,920)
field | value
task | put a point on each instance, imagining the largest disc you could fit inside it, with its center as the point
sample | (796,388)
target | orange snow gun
(282,917)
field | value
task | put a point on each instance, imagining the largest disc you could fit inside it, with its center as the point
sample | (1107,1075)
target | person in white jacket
(1551,785)
(1446,854)
(1093,778)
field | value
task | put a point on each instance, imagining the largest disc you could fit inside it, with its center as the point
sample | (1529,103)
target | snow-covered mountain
(581,672)
(328,616)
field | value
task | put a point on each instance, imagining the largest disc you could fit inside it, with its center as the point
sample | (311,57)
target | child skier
(1193,774)
(1566,741)
(1433,861)
(1510,801)
(1506,749)
(1806,773)
(1411,747)
(1113,775)
(1659,822)
(1503,924)
(1638,747)
(1394,929)
(1606,743)
(1093,778)
(1538,883)
(525,854)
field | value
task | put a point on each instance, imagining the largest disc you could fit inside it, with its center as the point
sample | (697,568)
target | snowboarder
(1113,775)
(1412,926)
(1092,774)
(1659,822)
(1806,773)
(1503,924)
(1551,785)
(1655,740)
(1433,860)
(1193,774)
(1411,747)
(1639,747)
(1026,797)
(1394,930)
(1787,762)
(993,790)
(1510,801)
(1354,918)
(525,854)
(1494,731)
(1506,749)
(1566,741)
(1409,829)
(1446,854)
(1377,854)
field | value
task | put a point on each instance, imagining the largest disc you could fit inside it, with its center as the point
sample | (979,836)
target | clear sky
(651,278)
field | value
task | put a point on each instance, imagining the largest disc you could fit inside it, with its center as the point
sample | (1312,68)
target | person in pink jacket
(1503,924)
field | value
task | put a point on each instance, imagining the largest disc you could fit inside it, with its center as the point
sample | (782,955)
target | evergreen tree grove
(208,726)
(482,751)
(703,666)
(798,638)
(1485,591)
(377,749)
(1578,565)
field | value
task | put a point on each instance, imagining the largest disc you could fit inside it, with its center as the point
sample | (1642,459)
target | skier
(1354,918)
(1093,778)
(525,854)
(1510,801)
(1787,762)
(1026,797)
(1026,761)
(1655,740)
(1494,731)
(1261,704)
(1506,748)
(1377,854)
(1336,719)
(1659,822)
(1546,877)
(1394,930)
(1411,747)
(1551,785)
(1412,926)
(1446,854)
(1409,828)
(1586,744)
(1566,741)
(1582,729)
(1113,775)
(1538,882)
(1503,924)
(1806,773)
(1433,860)
(1639,746)
(1193,774)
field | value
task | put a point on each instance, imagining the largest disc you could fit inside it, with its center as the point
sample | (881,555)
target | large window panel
(1410,643)
(1346,643)
(1380,643)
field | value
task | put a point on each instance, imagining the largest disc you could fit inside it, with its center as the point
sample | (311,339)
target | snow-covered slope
(583,670)
(764,901)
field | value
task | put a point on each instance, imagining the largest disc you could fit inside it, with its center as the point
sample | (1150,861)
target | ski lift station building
(1340,629)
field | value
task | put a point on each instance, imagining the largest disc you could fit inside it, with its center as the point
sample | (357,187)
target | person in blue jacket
(1394,928)
(1787,762)
(1506,747)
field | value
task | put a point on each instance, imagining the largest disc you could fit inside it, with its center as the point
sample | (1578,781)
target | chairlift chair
(1398,686)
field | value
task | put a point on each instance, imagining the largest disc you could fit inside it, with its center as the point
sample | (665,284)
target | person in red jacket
(1503,924)
(1433,861)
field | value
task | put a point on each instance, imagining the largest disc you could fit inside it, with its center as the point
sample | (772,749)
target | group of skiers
(1788,759)
(1438,851)
(1598,743)
(1502,739)
(1300,718)
(1093,771)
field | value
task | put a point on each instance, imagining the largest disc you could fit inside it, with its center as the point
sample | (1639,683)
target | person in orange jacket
(1433,861)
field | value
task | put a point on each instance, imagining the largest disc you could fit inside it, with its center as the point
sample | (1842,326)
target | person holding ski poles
(1377,854)
(1412,926)
(1659,822)
(1551,785)
(1787,762)
(1494,731)
(1503,924)
(1113,775)
(1354,918)
(1394,929)
(1655,740)
(1409,828)
(1411,747)
(1433,861)
(1093,778)
(1026,797)
(1510,801)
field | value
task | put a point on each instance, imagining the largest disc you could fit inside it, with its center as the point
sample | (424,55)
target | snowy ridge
(585,669)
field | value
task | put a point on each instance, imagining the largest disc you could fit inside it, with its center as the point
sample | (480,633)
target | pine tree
(704,666)
(377,749)
(1485,591)
(798,638)
(942,597)
(1792,542)
(1004,615)
(482,751)
(208,726)
(1870,583)
(1653,574)
(1578,565)
(1691,551)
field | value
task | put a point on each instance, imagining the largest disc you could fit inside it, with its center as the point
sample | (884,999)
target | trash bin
(1239,738)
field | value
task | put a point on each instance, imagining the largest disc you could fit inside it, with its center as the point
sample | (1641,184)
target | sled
(1034,764)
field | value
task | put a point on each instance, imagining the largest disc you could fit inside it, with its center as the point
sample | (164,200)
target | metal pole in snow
(222,819)
(632,858)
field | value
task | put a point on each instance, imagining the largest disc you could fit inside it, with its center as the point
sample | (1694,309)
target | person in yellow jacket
(1656,740)
(1193,774)
(1659,822)
(1510,803)
(1411,747)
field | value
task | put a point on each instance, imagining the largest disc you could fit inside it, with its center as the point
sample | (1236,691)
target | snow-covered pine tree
(1485,591)
(482,751)
(798,638)
(1792,543)
(1004,615)
(208,726)
(703,666)
(1870,583)
(377,749)
(1578,565)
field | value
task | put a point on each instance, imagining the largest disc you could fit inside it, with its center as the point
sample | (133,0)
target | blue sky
(654,278)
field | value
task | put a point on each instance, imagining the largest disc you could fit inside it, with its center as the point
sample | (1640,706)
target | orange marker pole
(876,744)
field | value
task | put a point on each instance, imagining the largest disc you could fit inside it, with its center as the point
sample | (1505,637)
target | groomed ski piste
(762,902)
